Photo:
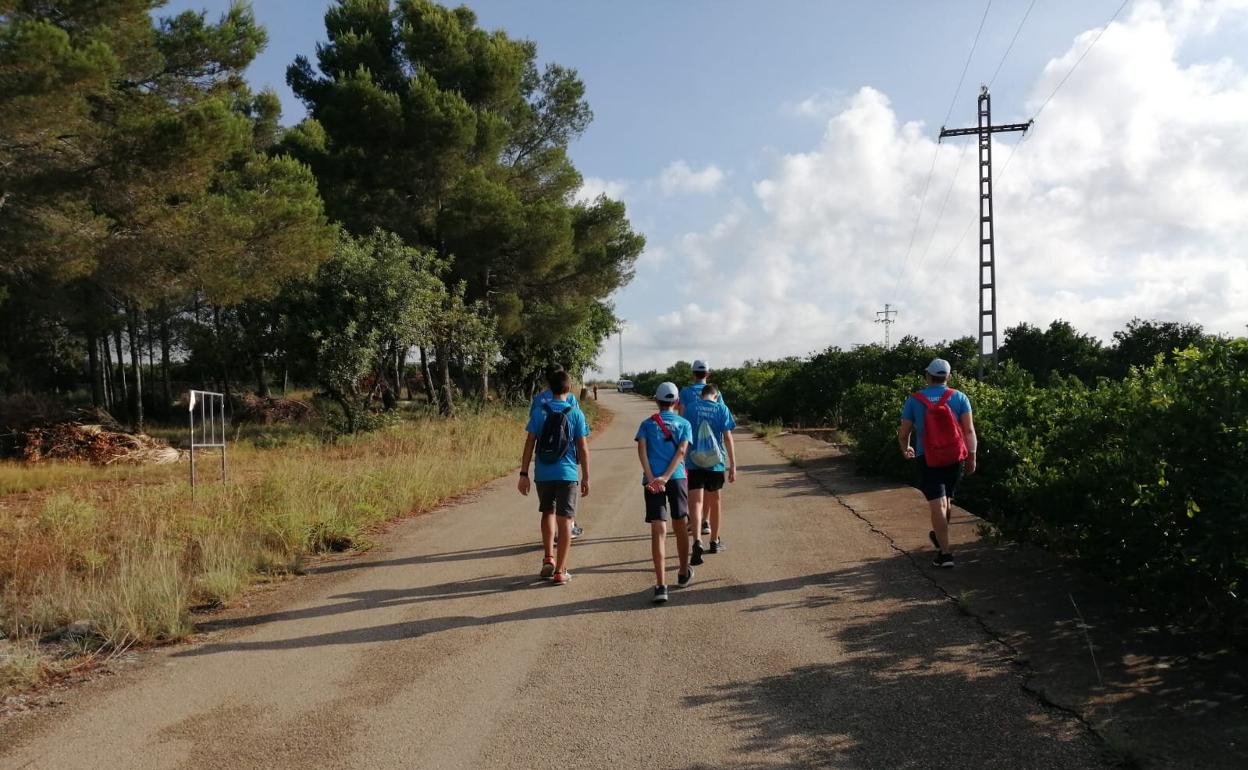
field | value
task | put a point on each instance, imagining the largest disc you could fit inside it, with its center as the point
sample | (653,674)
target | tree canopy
(149,197)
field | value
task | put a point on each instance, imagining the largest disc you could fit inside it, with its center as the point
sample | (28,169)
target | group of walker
(687,454)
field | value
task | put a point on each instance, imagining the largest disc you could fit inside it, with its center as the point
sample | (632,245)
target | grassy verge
(129,561)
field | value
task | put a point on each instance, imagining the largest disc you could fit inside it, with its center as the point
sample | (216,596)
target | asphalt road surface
(808,643)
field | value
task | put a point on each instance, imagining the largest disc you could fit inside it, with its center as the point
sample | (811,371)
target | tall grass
(133,559)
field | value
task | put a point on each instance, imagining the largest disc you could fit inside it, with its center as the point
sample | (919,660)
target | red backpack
(942,435)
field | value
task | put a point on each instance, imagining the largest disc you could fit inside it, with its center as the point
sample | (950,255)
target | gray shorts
(558,496)
(671,503)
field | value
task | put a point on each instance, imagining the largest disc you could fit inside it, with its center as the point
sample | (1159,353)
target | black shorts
(558,496)
(672,503)
(711,481)
(936,483)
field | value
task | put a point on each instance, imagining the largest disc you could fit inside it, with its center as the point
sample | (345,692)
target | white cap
(939,367)
(700,366)
(667,392)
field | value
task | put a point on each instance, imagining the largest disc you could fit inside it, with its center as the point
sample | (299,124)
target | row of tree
(152,206)
(810,391)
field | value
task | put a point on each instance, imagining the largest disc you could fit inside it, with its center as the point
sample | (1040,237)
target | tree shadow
(471,554)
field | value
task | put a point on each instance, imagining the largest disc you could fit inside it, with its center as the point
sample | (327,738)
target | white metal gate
(207,411)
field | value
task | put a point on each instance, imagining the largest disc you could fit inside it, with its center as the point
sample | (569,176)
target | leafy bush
(1140,480)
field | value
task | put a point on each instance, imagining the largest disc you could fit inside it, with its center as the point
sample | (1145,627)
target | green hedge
(1141,480)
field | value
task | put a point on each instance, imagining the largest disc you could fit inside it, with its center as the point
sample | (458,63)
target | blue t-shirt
(660,451)
(720,419)
(567,468)
(692,394)
(546,397)
(916,413)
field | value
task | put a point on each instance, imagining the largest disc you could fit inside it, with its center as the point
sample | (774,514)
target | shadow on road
(472,554)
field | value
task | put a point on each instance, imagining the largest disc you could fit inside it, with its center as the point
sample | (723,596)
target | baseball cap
(700,366)
(939,367)
(667,392)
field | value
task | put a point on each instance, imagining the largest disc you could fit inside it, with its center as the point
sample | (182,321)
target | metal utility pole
(621,353)
(987,234)
(886,317)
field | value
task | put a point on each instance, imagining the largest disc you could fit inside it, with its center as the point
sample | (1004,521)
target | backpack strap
(547,408)
(667,432)
(922,399)
(949,393)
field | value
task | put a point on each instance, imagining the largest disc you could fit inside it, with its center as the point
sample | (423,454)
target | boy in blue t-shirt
(662,440)
(707,480)
(535,408)
(560,483)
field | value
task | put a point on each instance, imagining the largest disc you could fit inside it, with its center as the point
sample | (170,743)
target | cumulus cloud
(592,187)
(679,178)
(1128,198)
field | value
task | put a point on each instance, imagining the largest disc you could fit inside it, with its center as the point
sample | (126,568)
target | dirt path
(809,643)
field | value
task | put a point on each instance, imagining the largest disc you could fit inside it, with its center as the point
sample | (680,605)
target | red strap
(667,432)
(922,399)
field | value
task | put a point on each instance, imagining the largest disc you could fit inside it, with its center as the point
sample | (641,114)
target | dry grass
(132,559)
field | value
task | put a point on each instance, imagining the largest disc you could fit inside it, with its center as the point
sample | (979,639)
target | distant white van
(624,386)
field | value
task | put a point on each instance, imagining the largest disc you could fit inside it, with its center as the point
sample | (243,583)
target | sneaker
(706,528)
(660,594)
(931,535)
(944,560)
(685,579)
(696,559)
(561,578)
(576,531)
(548,568)
(717,545)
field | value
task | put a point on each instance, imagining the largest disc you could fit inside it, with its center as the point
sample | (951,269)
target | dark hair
(560,382)
(701,375)
(710,389)
(938,378)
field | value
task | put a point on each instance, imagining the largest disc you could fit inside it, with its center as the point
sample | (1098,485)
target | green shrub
(1140,480)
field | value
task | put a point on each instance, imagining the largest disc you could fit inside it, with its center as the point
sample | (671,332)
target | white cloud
(679,178)
(1129,198)
(592,187)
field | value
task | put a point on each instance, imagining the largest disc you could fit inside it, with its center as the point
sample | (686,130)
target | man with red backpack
(945,444)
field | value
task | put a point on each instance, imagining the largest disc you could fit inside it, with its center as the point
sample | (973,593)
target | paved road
(809,643)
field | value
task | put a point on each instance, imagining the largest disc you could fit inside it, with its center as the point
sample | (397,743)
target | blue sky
(774,154)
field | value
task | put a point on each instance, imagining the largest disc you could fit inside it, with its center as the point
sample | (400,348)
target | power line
(1010,47)
(953,100)
(962,157)
(1005,167)
(1079,61)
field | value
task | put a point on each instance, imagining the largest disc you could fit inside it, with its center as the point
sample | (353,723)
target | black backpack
(556,437)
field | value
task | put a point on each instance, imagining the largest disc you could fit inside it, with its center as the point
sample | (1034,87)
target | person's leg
(548,533)
(695,511)
(940,524)
(658,538)
(678,504)
(565,542)
(714,511)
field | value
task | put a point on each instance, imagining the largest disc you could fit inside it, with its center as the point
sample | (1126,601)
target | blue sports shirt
(660,451)
(568,467)
(720,419)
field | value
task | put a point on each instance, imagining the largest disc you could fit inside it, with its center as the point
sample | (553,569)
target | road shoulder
(1158,696)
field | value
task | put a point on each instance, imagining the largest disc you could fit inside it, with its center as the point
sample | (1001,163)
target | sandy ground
(811,642)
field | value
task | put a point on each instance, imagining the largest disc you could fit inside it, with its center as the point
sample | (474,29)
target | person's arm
(730,446)
(523,484)
(582,454)
(903,438)
(677,460)
(645,462)
(971,441)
